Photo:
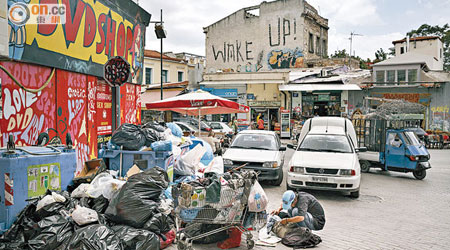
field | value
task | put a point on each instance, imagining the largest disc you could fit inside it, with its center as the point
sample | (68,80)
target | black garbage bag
(95,237)
(194,229)
(99,204)
(138,199)
(56,207)
(22,229)
(159,224)
(155,126)
(129,136)
(11,245)
(138,239)
(151,136)
(52,232)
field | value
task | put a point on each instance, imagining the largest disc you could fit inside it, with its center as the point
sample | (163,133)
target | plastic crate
(25,175)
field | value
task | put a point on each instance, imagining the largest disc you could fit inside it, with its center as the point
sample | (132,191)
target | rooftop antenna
(351,44)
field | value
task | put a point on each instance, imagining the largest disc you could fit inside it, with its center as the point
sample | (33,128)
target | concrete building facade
(274,35)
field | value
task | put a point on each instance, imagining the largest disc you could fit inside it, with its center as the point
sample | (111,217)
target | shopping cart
(230,209)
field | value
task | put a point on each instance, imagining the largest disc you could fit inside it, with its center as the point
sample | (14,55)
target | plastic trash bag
(170,237)
(155,126)
(95,237)
(129,136)
(215,166)
(138,199)
(84,215)
(51,232)
(159,224)
(138,239)
(161,146)
(99,204)
(49,199)
(176,130)
(80,191)
(98,184)
(62,201)
(194,229)
(151,136)
(187,163)
(22,229)
(257,200)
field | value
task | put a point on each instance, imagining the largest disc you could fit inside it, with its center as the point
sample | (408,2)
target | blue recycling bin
(28,173)
(144,159)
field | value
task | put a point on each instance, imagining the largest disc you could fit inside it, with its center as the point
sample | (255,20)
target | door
(320,109)
(395,150)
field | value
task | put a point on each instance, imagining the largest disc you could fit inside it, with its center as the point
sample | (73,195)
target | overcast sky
(379,21)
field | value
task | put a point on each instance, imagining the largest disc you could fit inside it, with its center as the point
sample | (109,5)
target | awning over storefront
(318,87)
(241,82)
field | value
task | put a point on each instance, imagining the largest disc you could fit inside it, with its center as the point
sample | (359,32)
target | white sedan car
(220,127)
(262,152)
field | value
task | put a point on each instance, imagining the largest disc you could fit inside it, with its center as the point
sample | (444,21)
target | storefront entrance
(269,115)
(321,104)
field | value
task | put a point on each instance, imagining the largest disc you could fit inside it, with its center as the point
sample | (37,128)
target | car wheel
(365,166)
(420,174)
(279,180)
(355,194)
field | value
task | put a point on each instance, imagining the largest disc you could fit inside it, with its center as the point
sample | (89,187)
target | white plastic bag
(111,187)
(49,199)
(257,200)
(98,184)
(84,215)
(80,191)
(188,163)
(215,166)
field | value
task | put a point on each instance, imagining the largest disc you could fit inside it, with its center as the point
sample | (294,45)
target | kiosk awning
(317,87)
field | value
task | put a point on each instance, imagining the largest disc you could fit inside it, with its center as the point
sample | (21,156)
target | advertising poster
(43,177)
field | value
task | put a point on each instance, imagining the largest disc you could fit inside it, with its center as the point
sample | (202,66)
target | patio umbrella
(198,103)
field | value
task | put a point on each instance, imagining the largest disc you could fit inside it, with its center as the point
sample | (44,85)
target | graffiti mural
(92,116)
(128,110)
(72,112)
(285,59)
(104,112)
(440,118)
(25,114)
(94,32)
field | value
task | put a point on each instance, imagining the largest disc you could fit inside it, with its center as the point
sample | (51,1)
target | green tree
(380,55)
(340,54)
(443,32)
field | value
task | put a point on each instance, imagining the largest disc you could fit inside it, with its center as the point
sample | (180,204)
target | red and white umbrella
(198,103)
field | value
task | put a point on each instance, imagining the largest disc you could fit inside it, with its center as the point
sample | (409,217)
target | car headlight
(227,162)
(300,170)
(347,172)
(270,164)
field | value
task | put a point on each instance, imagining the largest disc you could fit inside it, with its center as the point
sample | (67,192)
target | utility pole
(160,34)
(351,44)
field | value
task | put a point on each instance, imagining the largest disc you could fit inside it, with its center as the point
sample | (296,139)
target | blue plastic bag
(161,146)
(176,130)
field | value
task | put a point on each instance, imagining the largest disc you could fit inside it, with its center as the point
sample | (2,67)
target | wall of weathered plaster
(277,39)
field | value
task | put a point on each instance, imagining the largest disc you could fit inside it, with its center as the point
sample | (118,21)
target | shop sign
(322,98)
(93,32)
(264,103)
(226,93)
(250,96)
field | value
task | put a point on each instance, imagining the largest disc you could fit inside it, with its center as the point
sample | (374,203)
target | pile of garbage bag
(105,214)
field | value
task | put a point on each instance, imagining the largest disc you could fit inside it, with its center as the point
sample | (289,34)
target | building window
(380,75)
(311,43)
(324,48)
(412,75)
(318,50)
(402,50)
(148,76)
(401,75)
(180,76)
(390,76)
(165,75)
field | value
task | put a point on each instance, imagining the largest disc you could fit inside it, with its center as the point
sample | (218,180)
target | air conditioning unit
(4,34)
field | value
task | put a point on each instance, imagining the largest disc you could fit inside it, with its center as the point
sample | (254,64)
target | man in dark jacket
(303,209)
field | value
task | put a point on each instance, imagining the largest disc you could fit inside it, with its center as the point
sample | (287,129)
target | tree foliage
(380,55)
(443,32)
(340,54)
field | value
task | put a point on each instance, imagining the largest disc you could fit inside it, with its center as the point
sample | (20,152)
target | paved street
(394,211)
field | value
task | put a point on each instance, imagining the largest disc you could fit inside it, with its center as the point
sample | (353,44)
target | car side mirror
(361,149)
(291,146)
(282,148)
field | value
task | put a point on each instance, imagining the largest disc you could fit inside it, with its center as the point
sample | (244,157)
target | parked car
(325,157)
(221,127)
(261,150)
(194,122)
(187,129)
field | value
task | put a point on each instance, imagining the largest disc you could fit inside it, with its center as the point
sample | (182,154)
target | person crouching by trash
(301,208)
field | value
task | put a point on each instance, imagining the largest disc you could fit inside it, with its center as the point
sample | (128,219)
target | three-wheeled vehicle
(392,145)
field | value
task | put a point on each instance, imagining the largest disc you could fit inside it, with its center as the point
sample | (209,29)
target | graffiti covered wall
(274,35)
(94,31)
(71,103)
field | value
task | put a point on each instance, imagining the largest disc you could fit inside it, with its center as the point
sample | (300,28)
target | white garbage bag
(215,166)
(84,215)
(98,184)
(80,191)
(257,200)
(49,199)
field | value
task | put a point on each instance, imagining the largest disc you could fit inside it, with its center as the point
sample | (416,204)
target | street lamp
(160,34)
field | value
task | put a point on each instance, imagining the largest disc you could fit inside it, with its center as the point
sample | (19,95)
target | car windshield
(411,138)
(255,141)
(326,143)
(215,125)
